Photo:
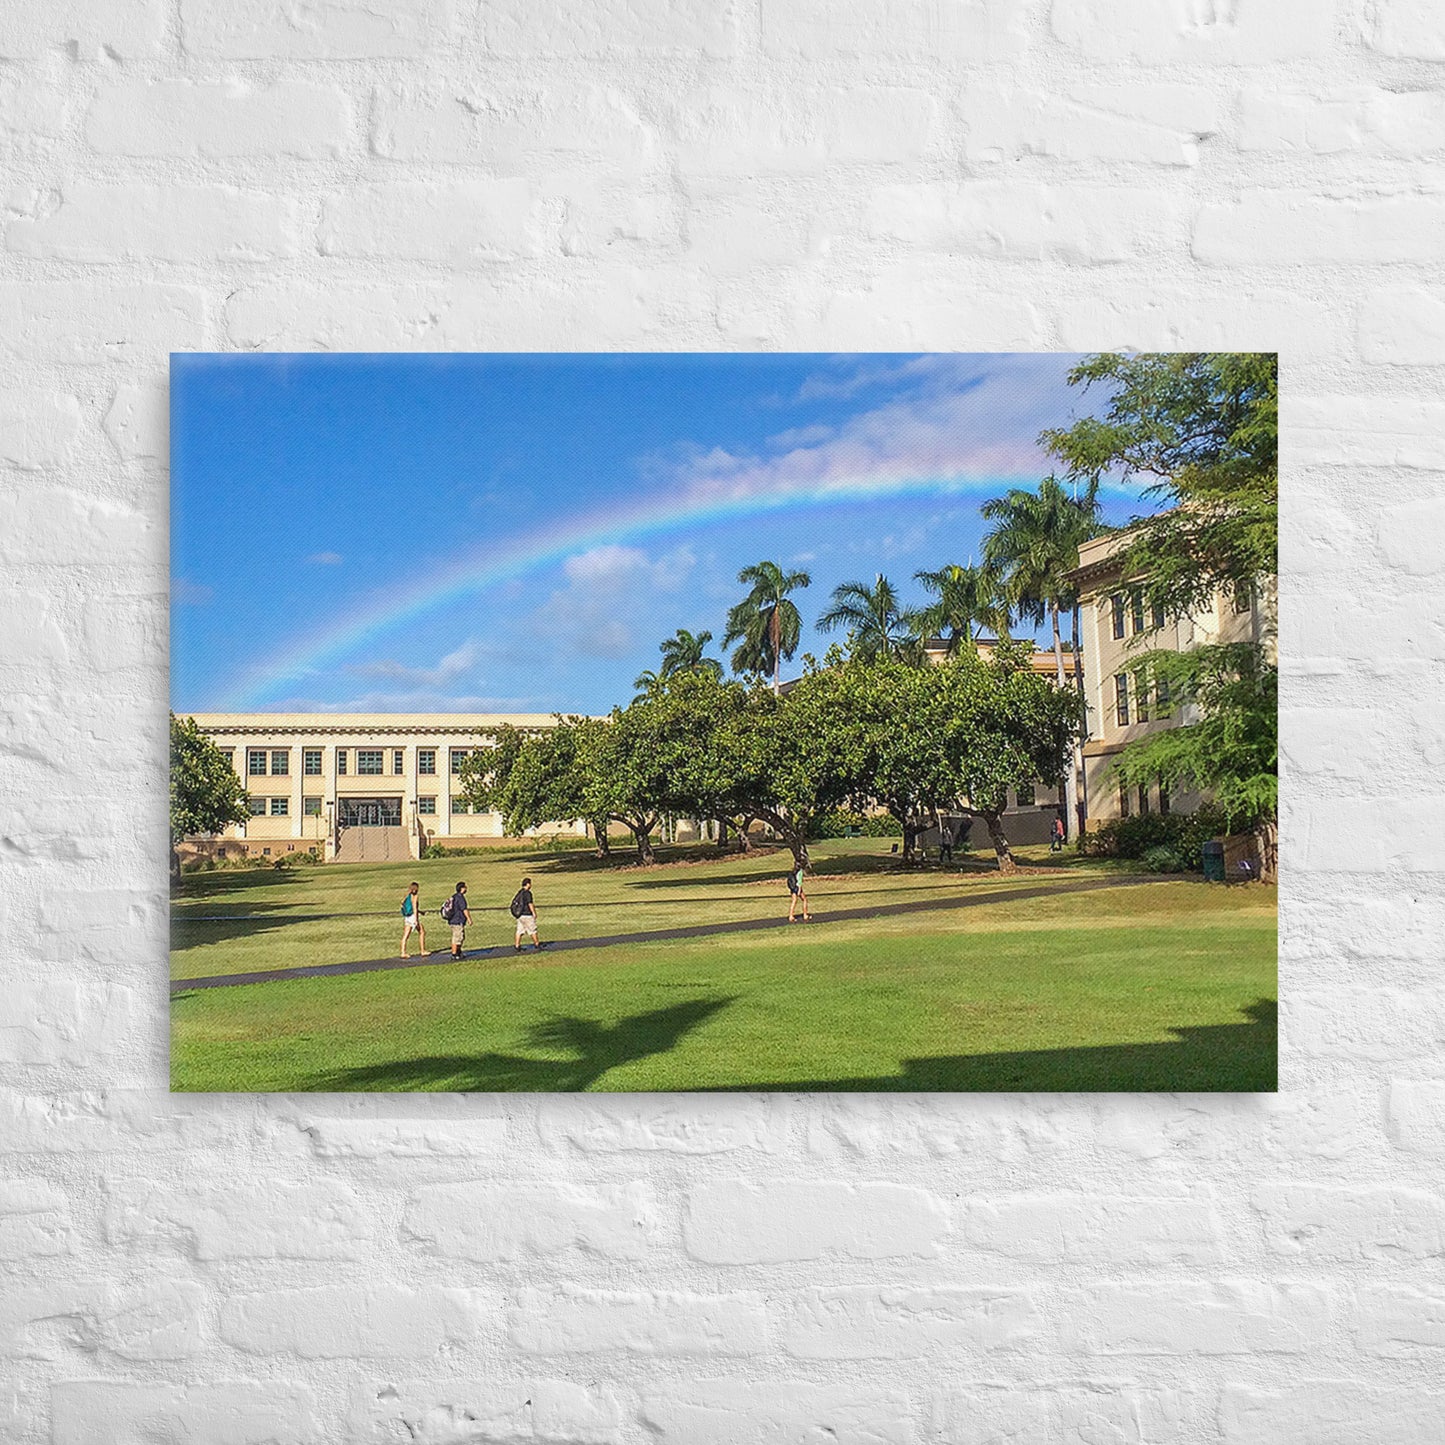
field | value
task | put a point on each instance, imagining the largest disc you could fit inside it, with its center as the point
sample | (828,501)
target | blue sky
(418,533)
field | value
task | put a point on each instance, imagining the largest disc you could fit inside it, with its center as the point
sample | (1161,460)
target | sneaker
(541,944)
(519,948)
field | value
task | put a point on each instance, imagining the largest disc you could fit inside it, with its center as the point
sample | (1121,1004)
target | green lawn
(1164,985)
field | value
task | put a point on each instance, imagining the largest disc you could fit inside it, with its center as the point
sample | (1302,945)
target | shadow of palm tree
(596,1047)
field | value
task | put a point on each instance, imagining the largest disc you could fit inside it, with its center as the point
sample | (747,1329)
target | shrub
(869,825)
(1182,834)
(1162,860)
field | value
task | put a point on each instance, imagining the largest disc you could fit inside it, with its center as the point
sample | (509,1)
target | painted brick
(665,27)
(1264,227)
(1337,121)
(1011,1129)
(107,1412)
(31,110)
(950,31)
(158,1320)
(34,1220)
(1077,1227)
(128,29)
(1411,29)
(356,1133)
(37,428)
(1189,33)
(1398,1320)
(524,1221)
(97,1121)
(1182,1317)
(322,1220)
(1411,849)
(1082,225)
(1382,1024)
(535,1412)
(138,423)
(1402,326)
(1154,124)
(1331,1222)
(1106,1412)
(329,30)
(1330,1412)
(51,1021)
(736,1222)
(672,1126)
(84,322)
(722,1412)
(462,223)
(221,119)
(340,1322)
(1249,317)
(1381,431)
(96,222)
(572,1320)
(1417,1115)
(864,1322)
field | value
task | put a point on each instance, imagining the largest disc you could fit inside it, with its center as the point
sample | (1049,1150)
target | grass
(1167,985)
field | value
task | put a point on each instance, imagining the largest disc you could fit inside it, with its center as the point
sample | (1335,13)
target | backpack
(517,905)
(406,906)
(795,880)
(448,906)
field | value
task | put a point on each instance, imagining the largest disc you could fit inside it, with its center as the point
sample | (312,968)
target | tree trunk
(994,822)
(604,843)
(775,629)
(175,867)
(722,833)
(745,844)
(1268,835)
(910,838)
(799,847)
(1071,778)
(643,838)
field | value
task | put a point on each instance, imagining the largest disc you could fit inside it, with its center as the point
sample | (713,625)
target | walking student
(795,887)
(456,913)
(1056,836)
(411,919)
(524,910)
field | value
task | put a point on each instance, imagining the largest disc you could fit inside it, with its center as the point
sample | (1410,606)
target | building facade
(360,787)
(1124,702)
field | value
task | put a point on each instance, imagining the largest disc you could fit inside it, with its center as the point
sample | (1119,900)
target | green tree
(873,616)
(765,624)
(1205,427)
(685,651)
(1035,545)
(546,780)
(207,796)
(646,682)
(967,597)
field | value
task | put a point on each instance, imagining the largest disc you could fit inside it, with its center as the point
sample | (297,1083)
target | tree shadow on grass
(597,1048)
(1214,1058)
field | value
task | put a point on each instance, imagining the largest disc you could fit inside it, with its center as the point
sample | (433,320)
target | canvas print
(709,722)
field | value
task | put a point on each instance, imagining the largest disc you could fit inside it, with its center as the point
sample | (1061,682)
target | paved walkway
(664,935)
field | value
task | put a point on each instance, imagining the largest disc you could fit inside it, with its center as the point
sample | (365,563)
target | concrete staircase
(374,845)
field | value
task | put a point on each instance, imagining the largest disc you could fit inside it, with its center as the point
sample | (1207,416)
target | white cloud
(609,589)
(420,700)
(454,665)
(326,559)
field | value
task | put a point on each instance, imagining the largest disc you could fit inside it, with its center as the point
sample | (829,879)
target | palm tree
(1034,545)
(966,596)
(765,624)
(686,652)
(872,615)
(646,682)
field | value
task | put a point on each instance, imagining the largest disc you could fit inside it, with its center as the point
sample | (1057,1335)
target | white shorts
(527,924)
(408,924)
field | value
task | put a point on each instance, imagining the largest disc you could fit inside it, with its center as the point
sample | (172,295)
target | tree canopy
(207,795)
(765,624)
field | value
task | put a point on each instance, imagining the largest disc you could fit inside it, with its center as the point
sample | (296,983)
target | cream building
(1125,705)
(357,786)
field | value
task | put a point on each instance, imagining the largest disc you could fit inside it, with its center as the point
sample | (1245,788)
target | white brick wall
(183,174)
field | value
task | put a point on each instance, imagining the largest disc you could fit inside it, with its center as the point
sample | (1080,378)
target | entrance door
(371,812)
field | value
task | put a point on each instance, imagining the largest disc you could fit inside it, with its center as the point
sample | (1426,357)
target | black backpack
(518,907)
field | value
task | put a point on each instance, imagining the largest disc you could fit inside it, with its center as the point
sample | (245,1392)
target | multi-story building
(1124,702)
(359,786)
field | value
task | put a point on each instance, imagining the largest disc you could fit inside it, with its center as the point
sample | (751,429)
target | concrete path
(664,935)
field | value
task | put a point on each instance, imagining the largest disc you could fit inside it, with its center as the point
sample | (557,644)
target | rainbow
(466,575)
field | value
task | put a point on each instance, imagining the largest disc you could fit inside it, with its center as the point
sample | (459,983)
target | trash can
(1212,852)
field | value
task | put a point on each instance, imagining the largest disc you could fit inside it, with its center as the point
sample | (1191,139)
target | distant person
(411,919)
(524,910)
(456,913)
(1056,836)
(795,887)
(945,846)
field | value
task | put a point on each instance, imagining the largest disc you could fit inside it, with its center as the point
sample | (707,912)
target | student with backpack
(455,912)
(795,887)
(524,910)
(411,920)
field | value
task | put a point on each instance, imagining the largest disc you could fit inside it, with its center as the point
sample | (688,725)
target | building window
(1118,601)
(458,754)
(310,807)
(256,807)
(1158,611)
(398,760)
(341,761)
(311,762)
(368,761)
(1163,797)
(229,754)
(1024,795)
(1136,600)
(280,807)
(1121,698)
(1161,697)
(1123,802)
(427,806)
(1143,800)
(1141,696)
(426,761)
(1243,596)
(280,763)
(459,805)
(256,762)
